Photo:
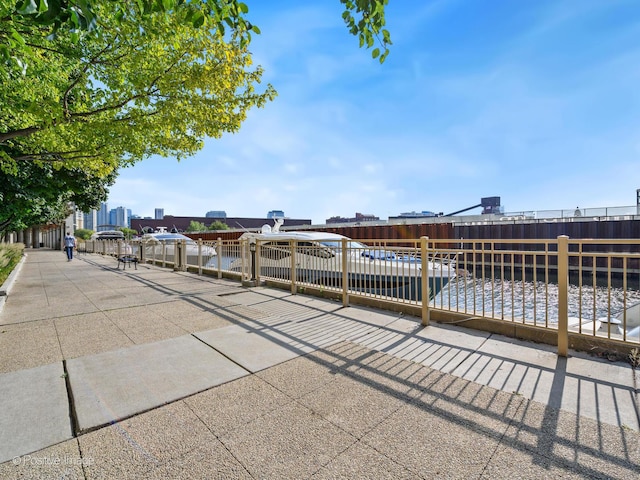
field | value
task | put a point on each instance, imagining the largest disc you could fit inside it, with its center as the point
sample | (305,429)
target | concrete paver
(113,385)
(34,410)
(290,442)
(250,349)
(25,345)
(236,403)
(556,438)
(174,375)
(453,448)
(60,461)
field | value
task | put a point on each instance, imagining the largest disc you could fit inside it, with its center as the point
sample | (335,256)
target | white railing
(577,213)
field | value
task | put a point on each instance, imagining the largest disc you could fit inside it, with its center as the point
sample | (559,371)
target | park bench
(127,260)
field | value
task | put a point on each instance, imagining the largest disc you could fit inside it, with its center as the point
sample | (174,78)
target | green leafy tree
(128,232)
(151,85)
(218,225)
(129,80)
(364,19)
(91,86)
(196,226)
(39,194)
(83,233)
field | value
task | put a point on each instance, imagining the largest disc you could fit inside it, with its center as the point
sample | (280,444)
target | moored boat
(153,243)
(318,259)
(630,317)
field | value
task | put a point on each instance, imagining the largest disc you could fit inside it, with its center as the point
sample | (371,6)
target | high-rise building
(275,214)
(91,220)
(103,218)
(159,213)
(118,217)
(216,214)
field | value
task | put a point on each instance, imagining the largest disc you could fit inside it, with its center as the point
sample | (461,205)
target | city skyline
(121,216)
(535,102)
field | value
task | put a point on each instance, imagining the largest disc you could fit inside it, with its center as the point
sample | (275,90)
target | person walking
(69,245)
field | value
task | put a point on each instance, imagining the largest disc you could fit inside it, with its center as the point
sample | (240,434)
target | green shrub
(83,233)
(10,255)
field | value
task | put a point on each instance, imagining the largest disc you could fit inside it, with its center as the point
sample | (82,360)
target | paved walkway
(151,373)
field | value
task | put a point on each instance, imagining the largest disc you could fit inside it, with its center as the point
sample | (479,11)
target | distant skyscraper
(216,214)
(91,220)
(103,218)
(121,218)
(159,213)
(275,214)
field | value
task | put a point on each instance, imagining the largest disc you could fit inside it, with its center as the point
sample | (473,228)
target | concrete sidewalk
(151,373)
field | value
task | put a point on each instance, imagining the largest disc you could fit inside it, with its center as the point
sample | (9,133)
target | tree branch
(58,156)
(22,132)
(65,97)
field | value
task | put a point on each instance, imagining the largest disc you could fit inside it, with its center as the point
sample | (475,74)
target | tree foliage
(151,85)
(91,86)
(366,20)
(196,226)
(218,225)
(39,194)
(128,232)
(138,83)
(83,233)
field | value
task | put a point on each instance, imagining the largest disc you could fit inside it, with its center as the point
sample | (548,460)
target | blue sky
(537,102)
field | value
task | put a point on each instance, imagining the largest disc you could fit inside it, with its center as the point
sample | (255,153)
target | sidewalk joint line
(221,353)
(73,417)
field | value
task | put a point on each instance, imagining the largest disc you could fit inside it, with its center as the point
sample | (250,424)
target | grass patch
(10,255)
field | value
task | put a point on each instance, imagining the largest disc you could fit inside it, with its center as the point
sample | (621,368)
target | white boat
(318,260)
(153,245)
(630,317)
(112,242)
(582,325)
(108,235)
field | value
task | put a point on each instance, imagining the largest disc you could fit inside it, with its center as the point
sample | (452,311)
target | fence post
(345,274)
(183,255)
(142,251)
(176,255)
(199,256)
(292,248)
(563,295)
(219,256)
(244,255)
(424,284)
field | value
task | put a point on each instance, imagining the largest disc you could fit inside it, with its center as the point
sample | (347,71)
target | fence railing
(576,213)
(571,287)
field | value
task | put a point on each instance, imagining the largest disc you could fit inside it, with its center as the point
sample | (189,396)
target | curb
(6,287)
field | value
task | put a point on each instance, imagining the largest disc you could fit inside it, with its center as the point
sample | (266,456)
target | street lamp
(252,249)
